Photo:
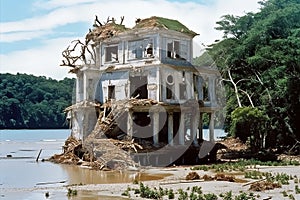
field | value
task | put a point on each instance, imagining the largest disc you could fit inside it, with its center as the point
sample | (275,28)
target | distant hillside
(27,101)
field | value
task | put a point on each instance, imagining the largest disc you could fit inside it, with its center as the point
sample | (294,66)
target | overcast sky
(33,33)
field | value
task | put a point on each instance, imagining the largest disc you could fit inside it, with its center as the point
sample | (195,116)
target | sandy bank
(176,181)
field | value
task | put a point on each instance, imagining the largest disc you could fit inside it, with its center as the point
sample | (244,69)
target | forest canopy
(27,101)
(259,58)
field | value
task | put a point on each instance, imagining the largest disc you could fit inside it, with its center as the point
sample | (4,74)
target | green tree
(259,59)
(27,101)
(249,124)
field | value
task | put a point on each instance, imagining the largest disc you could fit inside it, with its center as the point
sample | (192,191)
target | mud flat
(174,178)
(166,178)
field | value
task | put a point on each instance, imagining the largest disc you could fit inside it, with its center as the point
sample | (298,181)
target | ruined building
(138,84)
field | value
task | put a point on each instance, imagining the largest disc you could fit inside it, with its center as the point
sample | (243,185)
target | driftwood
(48,183)
(127,145)
(37,158)
(250,183)
(100,32)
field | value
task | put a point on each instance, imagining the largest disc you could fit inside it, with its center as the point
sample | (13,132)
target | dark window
(169,92)
(182,91)
(111,92)
(111,54)
(173,49)
(138,87)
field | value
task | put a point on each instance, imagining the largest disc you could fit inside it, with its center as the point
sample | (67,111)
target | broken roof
(110,29)
(164,23)
(105,31)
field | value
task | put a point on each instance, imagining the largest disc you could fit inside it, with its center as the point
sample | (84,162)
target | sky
(33,33)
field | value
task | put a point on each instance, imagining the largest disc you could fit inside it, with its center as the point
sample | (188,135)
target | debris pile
(73,153)
(103,155)
(109,155)
(192,176)
(113,113)
(102,31)
(234,144)
(264,185)
(205,177)
(234,148)
(219,177)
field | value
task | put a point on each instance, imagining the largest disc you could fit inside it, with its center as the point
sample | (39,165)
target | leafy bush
(249,124)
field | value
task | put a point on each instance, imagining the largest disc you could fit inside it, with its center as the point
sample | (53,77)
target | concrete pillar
(155,128)
(212,90)
(79,88)
(200,126)
(211,126)
(181,128)
(158,84)
(129,124)
(194,126)
(200,88)
(170,129)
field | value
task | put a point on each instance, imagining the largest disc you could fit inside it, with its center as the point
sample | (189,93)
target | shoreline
(175,180)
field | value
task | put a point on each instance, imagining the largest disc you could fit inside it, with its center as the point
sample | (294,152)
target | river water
(21,177)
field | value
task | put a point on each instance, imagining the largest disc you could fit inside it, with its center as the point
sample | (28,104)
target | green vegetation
(27,101)
(194,193)
(71,192)
(242,165)
(248,124)
(259,60)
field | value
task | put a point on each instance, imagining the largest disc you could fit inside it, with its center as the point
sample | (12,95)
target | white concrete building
(149,61)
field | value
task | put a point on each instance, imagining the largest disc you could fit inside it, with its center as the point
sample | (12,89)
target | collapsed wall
(101,149)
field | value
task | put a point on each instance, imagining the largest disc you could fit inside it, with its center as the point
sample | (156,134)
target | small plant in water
(71,192)
(135,181)
(297,189)
(171,194)
(210,196)
(292,197)
(227,196)
(285,194)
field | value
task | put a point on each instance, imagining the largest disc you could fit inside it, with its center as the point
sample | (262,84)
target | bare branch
(122,19)
(249,97)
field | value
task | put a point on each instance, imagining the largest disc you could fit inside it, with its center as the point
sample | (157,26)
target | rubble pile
(99,154)
(234,144)
(112,113)
(264,185)
(109,155)
(103,31)
(73,153)
(102,149)
(234,148)
(205,177)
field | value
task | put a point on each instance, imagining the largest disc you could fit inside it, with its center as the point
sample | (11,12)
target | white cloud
(51,4)
(41,61)
(18,36)
(45,59)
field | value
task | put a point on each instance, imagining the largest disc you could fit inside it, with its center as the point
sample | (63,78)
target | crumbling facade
(142,80)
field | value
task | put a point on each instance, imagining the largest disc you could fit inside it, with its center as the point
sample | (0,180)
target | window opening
(170,79)
(111,92)
(140,49)
(149,50)
(169,94)
(173,49)
(138,87)
(205,92)
(182,91)
(170,87)
(111,54)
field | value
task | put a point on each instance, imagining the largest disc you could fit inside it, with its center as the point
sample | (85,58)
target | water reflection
(78,175)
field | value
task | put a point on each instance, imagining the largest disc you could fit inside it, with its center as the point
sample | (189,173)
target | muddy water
(78,175)
(21,177)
